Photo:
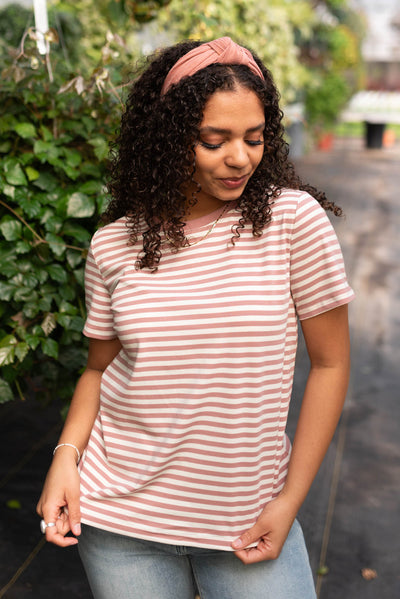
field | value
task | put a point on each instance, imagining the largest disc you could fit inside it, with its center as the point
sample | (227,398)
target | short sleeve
(99,322)
(317,273)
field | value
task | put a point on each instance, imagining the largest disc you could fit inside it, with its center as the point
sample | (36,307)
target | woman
(212,250)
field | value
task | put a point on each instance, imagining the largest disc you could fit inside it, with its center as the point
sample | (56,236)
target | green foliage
(14,19)
(272,31)
(14,504)
(333,57)
(83,26)
(54,139)
(140,12)
(324,100)
(290,37)
(56,120)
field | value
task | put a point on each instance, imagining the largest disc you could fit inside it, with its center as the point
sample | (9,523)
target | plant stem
(38,237)
(21,395)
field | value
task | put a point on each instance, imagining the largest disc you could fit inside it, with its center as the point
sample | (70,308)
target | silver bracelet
(69,445)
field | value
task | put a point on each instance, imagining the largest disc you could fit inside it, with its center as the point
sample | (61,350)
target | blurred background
(66,67)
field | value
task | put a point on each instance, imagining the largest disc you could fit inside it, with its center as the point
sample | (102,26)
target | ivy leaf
(46,149)
(6,291)
(67,308)
(32,340)
(57,273)
(74,258)
(5,147)
(32,173)
(53,224)
(77,232)
(9,269)
(21,351)
(6,254)
(67,293)
(7,350)
(76,324)
(50,347)
(25,130)
(92,186)
(24,294)
(9,191)
(30,310)
(91,169)
(56,244)
(7,122)
(46,181)
(64,320)
(5,392)
(42,275)
(22,247)
(80,276)
(13,172)
(44,303)
(73,157)
(72,173)
(11,229)
(46,133)
(102,202)
(30,205)
(49,324)
(80,205)
(26,281)
(100,146)
(25,265)
(45,214)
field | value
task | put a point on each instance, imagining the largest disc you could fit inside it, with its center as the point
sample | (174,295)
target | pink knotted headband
(223,50)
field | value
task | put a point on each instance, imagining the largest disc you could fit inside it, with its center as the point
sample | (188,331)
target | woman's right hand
(59,501)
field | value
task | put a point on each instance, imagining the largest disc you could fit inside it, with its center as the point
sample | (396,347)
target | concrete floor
(351,518)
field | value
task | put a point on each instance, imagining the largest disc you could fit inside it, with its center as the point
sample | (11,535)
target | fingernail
(76,529)
(237,544)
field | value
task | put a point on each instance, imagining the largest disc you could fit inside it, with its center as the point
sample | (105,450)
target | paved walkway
(351,518)
(352,515)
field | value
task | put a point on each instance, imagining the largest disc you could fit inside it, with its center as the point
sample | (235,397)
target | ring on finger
(44,525)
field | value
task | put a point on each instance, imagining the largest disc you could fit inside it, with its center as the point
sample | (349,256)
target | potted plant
(325,98)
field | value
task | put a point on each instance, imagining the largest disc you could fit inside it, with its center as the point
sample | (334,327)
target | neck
(203,208)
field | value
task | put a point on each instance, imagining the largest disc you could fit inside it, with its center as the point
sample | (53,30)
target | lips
(233,182)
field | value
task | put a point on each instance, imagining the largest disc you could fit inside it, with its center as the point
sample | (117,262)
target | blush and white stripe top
(189,443)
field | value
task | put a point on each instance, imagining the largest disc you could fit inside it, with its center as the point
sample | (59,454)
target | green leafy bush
(54,139)
(324,100)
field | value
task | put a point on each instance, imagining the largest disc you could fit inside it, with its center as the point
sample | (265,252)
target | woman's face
(229,149)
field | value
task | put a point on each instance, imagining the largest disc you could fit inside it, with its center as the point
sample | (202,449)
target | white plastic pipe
(41,24)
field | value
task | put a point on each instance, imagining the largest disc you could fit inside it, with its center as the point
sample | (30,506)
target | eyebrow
(259,127)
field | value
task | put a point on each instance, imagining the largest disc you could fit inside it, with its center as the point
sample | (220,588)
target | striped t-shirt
(189,443)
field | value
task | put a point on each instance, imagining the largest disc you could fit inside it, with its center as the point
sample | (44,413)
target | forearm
(328,346)
(82,412)
(62,485)
(86,399)
(319,415)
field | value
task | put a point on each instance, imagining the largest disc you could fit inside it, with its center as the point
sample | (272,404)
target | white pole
(41,24)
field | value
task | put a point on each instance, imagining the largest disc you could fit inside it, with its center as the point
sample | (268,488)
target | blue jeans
(121,567)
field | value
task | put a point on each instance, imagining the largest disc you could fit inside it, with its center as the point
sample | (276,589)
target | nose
(237,155)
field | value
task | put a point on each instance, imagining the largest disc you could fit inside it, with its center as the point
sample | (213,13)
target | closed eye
(210,146)
(250,142)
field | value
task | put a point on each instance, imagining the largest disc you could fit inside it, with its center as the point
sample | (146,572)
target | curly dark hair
(152,157)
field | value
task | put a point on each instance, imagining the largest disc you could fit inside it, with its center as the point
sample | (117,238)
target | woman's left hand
(270,532)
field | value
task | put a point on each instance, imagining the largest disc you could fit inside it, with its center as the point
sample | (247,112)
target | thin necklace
(210,230)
